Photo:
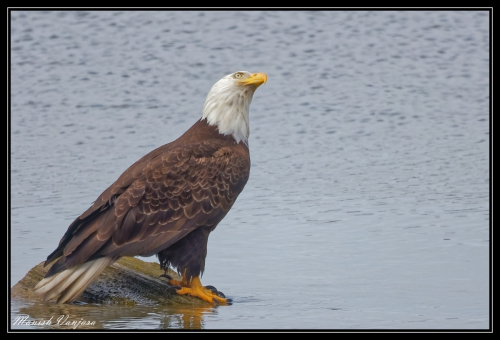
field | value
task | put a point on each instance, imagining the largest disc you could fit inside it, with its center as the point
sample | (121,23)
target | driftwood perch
(128,281)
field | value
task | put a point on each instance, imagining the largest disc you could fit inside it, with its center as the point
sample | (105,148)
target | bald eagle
(165,204)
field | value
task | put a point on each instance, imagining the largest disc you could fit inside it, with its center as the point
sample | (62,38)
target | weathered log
(128,281)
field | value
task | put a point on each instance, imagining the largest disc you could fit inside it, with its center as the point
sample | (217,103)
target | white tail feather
(71,282)
(66,278)
(46,281)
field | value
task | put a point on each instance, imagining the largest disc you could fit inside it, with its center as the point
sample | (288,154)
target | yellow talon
(195,288)
(174,282)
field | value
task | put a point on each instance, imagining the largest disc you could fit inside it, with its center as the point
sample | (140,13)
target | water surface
(368,200)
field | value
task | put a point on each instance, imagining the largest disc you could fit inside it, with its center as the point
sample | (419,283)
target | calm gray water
(368,201)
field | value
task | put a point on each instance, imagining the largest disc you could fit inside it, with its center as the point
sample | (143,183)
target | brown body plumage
(167,203)
(184,186)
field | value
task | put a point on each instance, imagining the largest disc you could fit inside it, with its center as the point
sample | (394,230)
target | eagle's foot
(215,291)
(209,293)
(204,294)
(174,282)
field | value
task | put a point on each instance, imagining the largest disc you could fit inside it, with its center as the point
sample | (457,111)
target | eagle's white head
(228,102)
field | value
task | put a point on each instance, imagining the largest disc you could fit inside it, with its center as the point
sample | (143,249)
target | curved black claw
(215,291)
(176,288)
(212,289)
(168,277)
(228,302)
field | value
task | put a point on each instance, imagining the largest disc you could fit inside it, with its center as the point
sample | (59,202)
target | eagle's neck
(227,108)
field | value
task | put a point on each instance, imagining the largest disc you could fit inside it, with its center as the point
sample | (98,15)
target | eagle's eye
(238,75)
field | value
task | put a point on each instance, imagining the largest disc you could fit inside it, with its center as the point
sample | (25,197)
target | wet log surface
(128,281)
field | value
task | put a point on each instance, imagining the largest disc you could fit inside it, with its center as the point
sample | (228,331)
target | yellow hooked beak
(255,79)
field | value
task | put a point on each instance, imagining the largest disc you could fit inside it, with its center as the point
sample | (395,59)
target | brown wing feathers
(157,201)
